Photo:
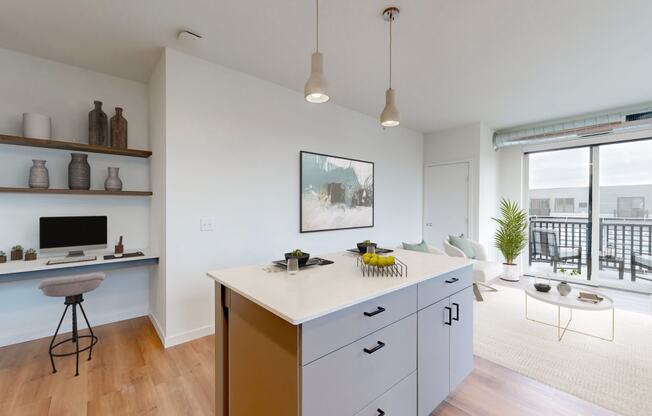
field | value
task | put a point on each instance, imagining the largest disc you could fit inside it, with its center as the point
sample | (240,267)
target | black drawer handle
(374,349)
(380,412)
(449,322)
(457,312)
(453,280)
(376,312)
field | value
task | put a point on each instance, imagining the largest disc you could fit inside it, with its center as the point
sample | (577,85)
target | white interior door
(446,202)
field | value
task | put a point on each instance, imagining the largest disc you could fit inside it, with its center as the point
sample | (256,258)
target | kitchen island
(328,341)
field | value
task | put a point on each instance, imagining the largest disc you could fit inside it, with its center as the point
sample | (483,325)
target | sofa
(483,270)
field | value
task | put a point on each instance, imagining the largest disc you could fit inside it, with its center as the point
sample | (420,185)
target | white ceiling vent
(598,124)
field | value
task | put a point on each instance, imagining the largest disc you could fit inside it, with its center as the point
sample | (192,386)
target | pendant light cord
(317,25)
(391,19)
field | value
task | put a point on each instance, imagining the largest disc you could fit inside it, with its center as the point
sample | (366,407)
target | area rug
(615,375)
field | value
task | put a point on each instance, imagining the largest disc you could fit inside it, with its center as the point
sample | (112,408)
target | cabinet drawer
(401,400)
(438,288)
(324,335)
(345,381)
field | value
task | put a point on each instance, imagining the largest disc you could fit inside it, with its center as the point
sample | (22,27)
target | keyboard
(66,260)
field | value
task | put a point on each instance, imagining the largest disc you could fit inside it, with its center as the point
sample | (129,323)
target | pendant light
(316,88)
(390,117)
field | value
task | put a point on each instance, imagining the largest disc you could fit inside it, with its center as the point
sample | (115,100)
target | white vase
(510,273)
(37,126)
(113,182)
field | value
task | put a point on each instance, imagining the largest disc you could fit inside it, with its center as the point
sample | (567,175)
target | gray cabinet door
(433,356)
(461,333)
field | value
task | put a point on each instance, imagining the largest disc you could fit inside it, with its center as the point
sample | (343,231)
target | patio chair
(641,260)
(544,246)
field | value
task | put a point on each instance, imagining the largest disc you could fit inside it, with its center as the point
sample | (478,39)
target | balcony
(622,241)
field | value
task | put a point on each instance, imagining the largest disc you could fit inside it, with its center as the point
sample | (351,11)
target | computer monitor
(73,234)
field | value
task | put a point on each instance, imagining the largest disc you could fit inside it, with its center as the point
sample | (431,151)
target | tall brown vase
(98,126)
(118,130)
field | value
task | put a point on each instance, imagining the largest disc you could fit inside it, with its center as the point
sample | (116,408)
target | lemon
(391,261)
(373,261)
(383,261)
(366,257)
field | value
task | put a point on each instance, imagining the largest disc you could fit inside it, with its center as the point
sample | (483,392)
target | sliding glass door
(589,214)
(559,204)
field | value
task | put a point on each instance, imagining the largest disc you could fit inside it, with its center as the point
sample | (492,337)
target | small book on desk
(122,256)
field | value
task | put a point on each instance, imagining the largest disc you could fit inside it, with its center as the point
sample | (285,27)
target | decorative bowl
(302,260)
(363,247)
(542,287)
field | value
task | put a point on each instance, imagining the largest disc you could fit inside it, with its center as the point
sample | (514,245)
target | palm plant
(511,236)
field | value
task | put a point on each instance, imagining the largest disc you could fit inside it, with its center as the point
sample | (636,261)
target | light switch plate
(206,224)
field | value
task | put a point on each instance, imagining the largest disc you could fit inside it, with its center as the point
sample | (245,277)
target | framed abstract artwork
(336,193)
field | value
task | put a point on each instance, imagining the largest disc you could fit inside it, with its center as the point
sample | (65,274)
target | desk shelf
(76,147)
(73,192)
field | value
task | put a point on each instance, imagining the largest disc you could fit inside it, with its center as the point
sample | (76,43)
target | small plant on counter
(297,253)
(30,254)
(17,253)
(3,257)
(366,243)
(301,257)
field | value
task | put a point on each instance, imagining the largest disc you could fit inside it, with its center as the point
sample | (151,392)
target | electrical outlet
(206,224)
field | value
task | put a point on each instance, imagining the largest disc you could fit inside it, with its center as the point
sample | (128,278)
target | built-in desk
(20,269)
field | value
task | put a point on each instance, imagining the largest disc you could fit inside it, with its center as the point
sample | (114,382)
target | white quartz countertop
(320,290)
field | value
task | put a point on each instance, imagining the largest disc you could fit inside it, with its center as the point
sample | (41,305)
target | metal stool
(72,288)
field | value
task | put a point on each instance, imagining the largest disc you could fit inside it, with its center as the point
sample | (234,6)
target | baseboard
(189,336)
(66,326)
(157,328)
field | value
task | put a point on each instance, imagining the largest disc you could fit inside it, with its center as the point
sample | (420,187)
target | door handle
(381,412)
(376,312)
(453,280)
(374,349)
(450,313)
(457,312)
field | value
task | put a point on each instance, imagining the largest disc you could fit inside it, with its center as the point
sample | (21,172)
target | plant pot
(30,256)
(3,259)
(16,255)
(302,260)
(363,247)
(510,273)
(37,126)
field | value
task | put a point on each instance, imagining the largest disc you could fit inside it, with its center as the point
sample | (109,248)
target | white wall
(471,143)
(30,84)
(232,148)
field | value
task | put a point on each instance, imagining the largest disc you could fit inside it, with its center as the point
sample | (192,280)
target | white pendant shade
(390,116)
(316,88)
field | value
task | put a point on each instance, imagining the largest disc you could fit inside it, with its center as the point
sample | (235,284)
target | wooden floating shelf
(73,192)
(77,147)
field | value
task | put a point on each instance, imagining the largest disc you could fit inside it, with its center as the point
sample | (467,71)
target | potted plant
(3,257)
(17,253)
(511,237)
(30,254)
(298,254)
(363,246)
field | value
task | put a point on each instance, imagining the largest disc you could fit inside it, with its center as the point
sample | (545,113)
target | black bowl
(542,287)
(303,259)
(363,247)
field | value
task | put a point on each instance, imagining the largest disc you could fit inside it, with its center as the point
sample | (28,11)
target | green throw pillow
(463,244)
(422,246)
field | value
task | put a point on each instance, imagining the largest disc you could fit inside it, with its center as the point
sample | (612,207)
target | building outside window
(565,205)
(631,207)
(540,207)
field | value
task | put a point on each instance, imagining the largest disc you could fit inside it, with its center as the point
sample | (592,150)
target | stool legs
(90,350)
(54,369)
(75,337)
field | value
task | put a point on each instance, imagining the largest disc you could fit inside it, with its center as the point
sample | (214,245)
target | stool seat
(71,285)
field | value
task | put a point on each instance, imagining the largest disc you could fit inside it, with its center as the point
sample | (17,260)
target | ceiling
(503,62)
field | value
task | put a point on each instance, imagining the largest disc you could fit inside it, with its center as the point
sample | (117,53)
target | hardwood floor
(131,374)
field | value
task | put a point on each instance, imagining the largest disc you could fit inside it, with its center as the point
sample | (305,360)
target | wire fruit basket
(398,269)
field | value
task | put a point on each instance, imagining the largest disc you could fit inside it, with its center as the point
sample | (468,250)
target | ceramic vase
(510,273)
(98,126)
(37,126)
(564,288)
(113,182)
(79,172)
(118,130)
(38,175)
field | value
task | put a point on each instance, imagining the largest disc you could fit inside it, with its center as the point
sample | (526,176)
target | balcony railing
(619,237)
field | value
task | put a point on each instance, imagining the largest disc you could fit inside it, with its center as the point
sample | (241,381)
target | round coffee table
(570,302)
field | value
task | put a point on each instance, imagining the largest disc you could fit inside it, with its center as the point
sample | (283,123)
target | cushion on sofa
(422,246)
(463,244)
